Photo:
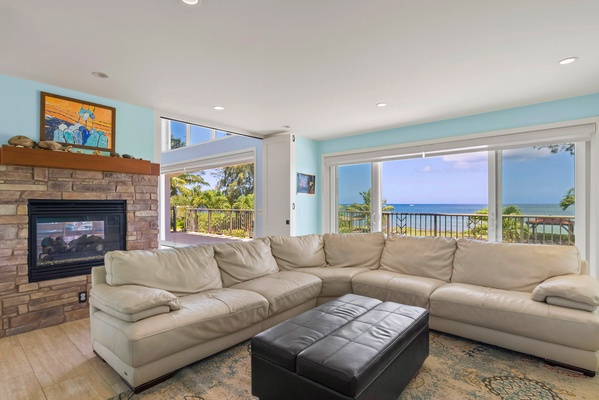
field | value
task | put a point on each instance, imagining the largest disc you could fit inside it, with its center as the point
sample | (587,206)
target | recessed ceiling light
(568,60)
(191,2)
(381,104)
(286,126)
(219,108)
(99,74)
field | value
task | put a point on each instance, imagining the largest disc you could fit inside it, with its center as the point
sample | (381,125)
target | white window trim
(578,131)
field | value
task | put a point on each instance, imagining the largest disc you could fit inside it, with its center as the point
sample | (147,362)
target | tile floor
(55,363)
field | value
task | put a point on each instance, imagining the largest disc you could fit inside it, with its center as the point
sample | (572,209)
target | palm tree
(181,185)
(512,228)
(360,212)
(211,199)
(568,199)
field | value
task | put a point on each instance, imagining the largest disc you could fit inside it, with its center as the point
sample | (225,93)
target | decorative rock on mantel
(22,141)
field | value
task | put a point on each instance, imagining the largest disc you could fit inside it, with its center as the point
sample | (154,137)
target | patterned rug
(456,369)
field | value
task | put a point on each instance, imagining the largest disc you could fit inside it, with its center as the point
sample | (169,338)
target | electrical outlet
(82,297)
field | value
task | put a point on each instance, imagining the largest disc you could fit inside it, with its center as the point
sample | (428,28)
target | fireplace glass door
(67,238)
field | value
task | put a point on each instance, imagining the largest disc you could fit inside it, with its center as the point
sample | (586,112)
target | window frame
(166,131)
(581,132)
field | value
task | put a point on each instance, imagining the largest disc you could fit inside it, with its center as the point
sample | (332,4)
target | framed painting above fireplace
(78,123)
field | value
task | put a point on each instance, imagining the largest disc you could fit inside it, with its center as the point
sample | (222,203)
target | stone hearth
(26,306)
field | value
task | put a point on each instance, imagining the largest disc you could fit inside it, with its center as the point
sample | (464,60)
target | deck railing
(547,229)
(237,223)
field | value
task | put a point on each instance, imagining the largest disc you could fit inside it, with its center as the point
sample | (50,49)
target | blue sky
(530,176)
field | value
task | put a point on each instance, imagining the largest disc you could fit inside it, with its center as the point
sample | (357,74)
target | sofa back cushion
(298,251)
(180,271)
(511,266)
(429,257)
(241,261)
(354,249)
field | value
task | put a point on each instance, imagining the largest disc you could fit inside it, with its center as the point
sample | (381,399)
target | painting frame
(306,183)
(77,123)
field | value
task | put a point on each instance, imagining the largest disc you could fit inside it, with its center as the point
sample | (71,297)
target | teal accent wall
(543,113)
(20,115)
(307,207)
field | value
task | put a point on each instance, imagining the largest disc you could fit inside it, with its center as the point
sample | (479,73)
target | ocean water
(527,209)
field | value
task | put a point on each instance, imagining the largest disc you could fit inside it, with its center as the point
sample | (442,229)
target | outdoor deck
(183,239)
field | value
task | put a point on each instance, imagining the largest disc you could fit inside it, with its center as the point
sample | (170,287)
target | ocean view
(527,209)
(424,217)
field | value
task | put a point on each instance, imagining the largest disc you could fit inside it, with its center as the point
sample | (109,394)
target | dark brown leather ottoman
(354,347)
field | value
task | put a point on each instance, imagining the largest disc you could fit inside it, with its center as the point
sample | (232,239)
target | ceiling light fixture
(568,60)
(98,74)
(191,2)
(381,104)
(219,108)
(286,126)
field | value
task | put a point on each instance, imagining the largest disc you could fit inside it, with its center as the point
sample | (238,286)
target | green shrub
(240,233)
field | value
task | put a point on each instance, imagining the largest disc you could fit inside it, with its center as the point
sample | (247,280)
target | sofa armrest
(573,291)
(131,302)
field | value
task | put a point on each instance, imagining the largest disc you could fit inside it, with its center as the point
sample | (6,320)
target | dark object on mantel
(19,156)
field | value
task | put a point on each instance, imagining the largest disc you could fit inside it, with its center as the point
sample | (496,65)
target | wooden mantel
(21,156)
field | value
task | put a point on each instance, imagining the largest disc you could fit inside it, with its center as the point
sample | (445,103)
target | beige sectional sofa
(153,312)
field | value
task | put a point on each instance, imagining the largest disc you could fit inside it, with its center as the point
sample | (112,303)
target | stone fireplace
(27,304)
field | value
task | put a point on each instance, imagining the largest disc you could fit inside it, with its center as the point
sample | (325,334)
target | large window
(180,134)
(514,187)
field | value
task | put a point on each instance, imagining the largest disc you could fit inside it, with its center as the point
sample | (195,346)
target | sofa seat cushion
(298,251)
(512,266)
(202,317)
(516,313)
(242,261)
(132,302)
(335,281)
(430,257)
(361,250)
(180,271)
(284,290)
(399,288)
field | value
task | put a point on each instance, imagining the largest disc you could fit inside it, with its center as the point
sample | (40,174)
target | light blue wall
(223,146)
(307,207)
(542,113)
(20,115)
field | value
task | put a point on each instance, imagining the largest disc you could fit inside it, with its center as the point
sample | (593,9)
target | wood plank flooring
(55,363)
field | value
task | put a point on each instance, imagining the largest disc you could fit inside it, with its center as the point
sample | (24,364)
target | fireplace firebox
(69,237)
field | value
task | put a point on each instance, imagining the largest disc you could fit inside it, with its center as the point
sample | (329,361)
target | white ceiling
(319,66)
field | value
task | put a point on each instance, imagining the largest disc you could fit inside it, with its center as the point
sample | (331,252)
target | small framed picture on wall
(306,183)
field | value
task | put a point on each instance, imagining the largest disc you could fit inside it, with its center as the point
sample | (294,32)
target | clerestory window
(182,134)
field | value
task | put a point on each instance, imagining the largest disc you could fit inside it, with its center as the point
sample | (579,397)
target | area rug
(457,368)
